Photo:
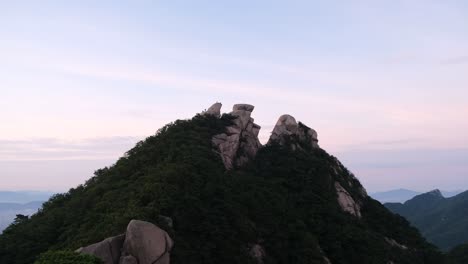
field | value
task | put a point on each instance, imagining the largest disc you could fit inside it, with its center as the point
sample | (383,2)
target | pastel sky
(385,83)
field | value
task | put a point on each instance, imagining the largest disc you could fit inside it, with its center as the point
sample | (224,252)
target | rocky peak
(214,110)
(287,128)
(239,143)
(436,193)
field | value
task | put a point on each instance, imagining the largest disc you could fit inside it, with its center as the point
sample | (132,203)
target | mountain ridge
(443,221)
(289,199)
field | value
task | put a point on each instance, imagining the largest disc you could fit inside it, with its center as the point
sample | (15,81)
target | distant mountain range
(443,221)
(23,196)
(403,195)
(8,211)
(19,202)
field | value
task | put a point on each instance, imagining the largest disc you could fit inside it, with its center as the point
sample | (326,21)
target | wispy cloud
(455,60)
(59,149)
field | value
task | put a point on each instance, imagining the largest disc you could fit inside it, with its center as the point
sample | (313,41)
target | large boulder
(296,135)
(107,250)
(214,110)
(239,143)
(143,243)
(147,243)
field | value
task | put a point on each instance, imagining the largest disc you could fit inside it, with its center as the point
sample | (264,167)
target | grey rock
(107,250)
(239,144)
(347,202)
(287,127)
(393,243)
(257,252)
(147,243)
(128,260)
(214,110)
(243,107)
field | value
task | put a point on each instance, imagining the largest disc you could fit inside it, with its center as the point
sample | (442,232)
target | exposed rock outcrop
(147,243)
(214,110)
(143,243)
(288,132)
(107,250)
(393,243)
(347,202)
(239,144)
(257,252)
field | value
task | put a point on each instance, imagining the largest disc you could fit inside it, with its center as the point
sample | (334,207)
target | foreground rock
(239,144)
(147,243)
(107,250)
(143,243)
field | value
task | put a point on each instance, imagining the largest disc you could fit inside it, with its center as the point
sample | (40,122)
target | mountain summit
(225,198)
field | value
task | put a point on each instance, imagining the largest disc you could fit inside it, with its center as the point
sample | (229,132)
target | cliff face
(239,143)
(225,198)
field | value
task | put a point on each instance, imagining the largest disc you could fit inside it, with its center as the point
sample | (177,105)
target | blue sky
(383,82)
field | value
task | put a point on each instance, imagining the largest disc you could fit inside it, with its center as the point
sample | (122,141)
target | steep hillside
(229,200)
(443,221)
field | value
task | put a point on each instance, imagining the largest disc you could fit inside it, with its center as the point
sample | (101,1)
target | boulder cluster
(239,143)
(142,243)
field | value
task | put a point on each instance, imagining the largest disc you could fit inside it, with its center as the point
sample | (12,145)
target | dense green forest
(284,200)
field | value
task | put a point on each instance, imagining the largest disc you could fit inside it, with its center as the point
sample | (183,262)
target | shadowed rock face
(239,144)
(287,128)
(347,202)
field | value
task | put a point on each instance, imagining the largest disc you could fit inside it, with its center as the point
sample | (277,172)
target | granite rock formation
(297,135)
(346,202)
(107,250)
(214,110)
(239,143)
(143,243)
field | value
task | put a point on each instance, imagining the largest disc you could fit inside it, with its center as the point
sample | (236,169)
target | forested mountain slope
(227,195)
(443,221)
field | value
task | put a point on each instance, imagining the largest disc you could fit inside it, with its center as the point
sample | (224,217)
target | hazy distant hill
(23,196)
(394,196)
(8,211)
(443,221)
(19,202)
(403,195)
